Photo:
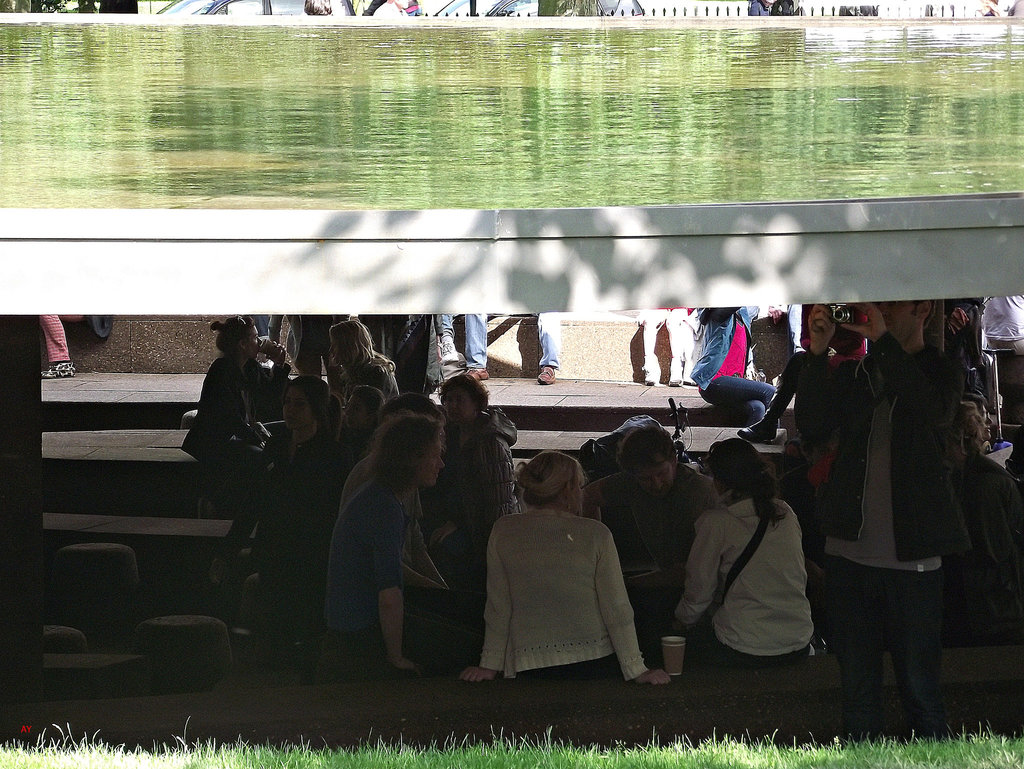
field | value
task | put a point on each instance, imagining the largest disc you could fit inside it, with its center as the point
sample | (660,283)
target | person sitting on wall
(650,507)
(354,362)
(227,436)
(365,607)
(556,602)
(761,617)
(984,587)
(722,362)
(359,420)
(477,485)
(294,512)
(417,567)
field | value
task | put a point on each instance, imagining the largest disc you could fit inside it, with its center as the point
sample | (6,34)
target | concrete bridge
(205,262)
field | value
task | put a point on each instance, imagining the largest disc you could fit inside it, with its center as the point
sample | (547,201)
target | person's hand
(653,676)
(439,534)
(957,320)
(873,325)
(404,663)
(278,354)
(776,313)
(474,673)
(820,328)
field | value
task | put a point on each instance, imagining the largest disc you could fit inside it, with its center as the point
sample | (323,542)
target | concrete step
(89,676)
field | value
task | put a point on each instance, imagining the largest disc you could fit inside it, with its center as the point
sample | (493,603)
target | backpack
(597,455)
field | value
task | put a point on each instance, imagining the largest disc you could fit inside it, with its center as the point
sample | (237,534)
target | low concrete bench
(89,676)
(130,472)
(174,554)
(106,525)
(981,687)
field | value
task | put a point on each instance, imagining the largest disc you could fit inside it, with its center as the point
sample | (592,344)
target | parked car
(236,7)
(491,8)
(530,8)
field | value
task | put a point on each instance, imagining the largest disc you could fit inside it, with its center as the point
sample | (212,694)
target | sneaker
(546,376)
(448,351)
(675,375)
(61,370)
(652,371)
(479,374)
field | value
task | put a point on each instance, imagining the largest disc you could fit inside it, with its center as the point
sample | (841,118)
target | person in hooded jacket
(477,485)
(984,587)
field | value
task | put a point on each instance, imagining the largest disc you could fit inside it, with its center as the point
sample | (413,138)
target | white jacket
(766,610)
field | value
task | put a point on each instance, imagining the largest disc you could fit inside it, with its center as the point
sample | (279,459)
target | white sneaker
(675,373)
(652,371)
(448,352)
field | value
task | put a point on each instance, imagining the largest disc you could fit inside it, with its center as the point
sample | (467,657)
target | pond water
(359,117)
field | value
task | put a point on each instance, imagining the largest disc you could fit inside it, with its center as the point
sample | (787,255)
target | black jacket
(230,398)
(923,391)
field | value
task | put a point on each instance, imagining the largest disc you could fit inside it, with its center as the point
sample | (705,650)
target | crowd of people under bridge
(392,536)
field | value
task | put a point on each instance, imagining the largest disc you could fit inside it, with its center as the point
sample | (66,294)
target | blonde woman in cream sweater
(556,602)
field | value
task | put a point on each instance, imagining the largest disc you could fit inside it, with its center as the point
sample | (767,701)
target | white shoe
(675,373)
(448,352)
(652,371)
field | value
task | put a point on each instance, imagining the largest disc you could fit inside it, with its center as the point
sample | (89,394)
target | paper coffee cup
(673,647)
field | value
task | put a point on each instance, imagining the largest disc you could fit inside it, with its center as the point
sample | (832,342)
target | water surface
(425,117)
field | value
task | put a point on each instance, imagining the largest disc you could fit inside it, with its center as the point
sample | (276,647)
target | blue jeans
(870,610)
(549,329)
(476,341)
(750,396)
(476,338)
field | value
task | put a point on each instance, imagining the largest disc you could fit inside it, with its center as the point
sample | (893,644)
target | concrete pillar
(21,516)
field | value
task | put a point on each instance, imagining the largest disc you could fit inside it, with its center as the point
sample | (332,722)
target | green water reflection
(352,117)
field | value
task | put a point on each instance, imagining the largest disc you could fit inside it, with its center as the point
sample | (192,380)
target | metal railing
(737,8)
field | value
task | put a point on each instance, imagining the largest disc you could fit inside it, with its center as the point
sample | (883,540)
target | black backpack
(597,455)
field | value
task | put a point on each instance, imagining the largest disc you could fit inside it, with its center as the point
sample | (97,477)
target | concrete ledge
(94,676)
(533,260)
(981,687)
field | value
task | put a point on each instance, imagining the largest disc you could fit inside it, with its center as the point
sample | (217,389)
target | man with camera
(888,508)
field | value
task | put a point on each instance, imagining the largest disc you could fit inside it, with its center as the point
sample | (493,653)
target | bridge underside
(511,261)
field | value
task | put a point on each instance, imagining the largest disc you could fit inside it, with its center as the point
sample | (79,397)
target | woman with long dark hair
(764,617)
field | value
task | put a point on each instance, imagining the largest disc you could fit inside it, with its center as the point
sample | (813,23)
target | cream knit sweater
(555,595)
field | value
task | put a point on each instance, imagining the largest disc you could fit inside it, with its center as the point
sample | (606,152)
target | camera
(840,313)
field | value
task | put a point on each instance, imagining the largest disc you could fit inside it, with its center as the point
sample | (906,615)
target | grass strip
(983,751)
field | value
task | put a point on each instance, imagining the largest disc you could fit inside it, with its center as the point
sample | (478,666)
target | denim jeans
(750,396)
(476,341)
(549,329)
(872,610)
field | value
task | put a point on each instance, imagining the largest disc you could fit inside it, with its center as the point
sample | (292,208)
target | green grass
(970,752)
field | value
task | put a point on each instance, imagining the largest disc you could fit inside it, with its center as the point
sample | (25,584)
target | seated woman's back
(556,601)
(763,616)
